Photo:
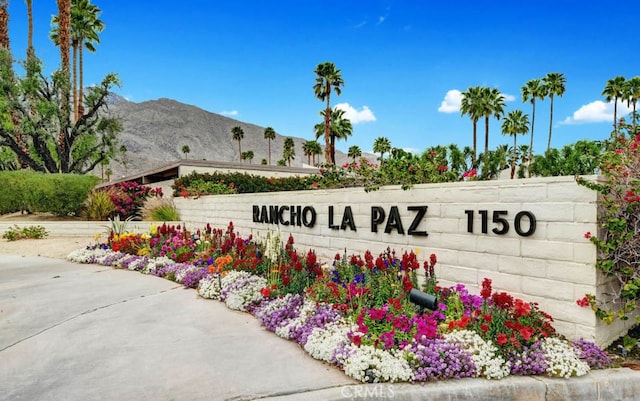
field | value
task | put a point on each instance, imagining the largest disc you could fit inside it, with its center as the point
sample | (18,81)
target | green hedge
(239,183)
(59,194)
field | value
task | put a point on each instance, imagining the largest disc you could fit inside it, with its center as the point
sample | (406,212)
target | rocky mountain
(155,131)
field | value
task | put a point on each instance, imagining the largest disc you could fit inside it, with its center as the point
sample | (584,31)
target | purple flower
(593,355)
(436,359)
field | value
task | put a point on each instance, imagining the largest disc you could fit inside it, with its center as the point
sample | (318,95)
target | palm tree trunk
(486,135)
(533,121)
(74,47)
(634,118)
(513,157)
(64,27)
(550,123)
(81,83)
(30,50)
(269,151)
(327,128)
(615,114)
(4,24)
(475,141)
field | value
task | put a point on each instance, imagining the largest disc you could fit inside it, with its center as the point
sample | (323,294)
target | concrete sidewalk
(85,332)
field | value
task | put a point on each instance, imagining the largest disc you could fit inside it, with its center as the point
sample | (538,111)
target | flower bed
(355,312)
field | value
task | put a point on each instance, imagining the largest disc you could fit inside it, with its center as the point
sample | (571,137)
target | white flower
(322,343)
(562,360)
(209,287)
(372,365)
(308,309)
(483,354)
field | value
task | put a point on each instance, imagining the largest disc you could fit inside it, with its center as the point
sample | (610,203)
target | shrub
(129,197)
(60,194)
(98,205)
(159,209)
(32,232)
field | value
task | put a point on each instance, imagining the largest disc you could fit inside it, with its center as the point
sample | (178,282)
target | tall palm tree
(491,105)
(288,150)
(186,150)
(237,134)
(470,106)
(4,24)
(613,91)
(328,77)
(269,135)
(554,85)
(532,90)
(514,124)
(307,150)
(381,145)
(64,35)
(30,49)
(632,94)
(85,26)
(339,128)
(354,152)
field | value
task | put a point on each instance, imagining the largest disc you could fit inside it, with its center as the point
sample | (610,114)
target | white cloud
(229,113)
(451,102)
(360,25)
(355,116)
(508,98)
(381,19)
(596,112)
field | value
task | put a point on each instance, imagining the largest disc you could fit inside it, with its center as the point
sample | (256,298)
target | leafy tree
(470,106)
(248,155)
(316,150)
(515,123)
(36,127)
(354,152)
(237,134)
(288,151)
(554,85)
(491,105)
(263,162)
(532,90)
(186,150)
(340,128)
(381,145)
(632,94)
(460,161)
(328,77)
(282,163)
(580,158)
(613,91)
(269,135)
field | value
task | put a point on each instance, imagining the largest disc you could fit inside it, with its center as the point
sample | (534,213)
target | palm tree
(339,128)
(532,90)
(515,123)
(381,145)
(64,35)
(85,26)
(491,105)
(4,24)
(238,135)
(288,150)
(307,150)
(269,135)
(30,50)
(470,105)
(328,76)
(316,150)
(248,155)
(632,94)
(554,85)
(186,150)
(354,152)
(613,91)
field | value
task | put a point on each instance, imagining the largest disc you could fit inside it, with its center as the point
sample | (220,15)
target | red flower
(501,339)
(587,235)
(526,333)
(583,302)
(357,340)
(266,292)
(522,308)
(395,303)
(486,288)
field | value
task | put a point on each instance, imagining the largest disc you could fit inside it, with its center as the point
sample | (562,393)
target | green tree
(307,150)
(491,105)
(269,135)
(554,85)
(339,127)
(35,114)
(237,134)
(316,150)
(288,150)
(532,90)
(186,150)
(381,145)
(354,152)
(632,94)
(613,91)
(328,77)
(470,106)
(515,123)
(249,155)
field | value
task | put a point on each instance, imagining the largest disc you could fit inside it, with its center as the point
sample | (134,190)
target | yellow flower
(153,229)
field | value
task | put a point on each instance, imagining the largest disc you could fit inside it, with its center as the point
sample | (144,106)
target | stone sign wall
(527,236)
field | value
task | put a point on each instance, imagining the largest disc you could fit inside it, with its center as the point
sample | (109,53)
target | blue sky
(402,61)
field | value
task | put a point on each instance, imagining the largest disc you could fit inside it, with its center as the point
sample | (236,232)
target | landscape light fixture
(423,299)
